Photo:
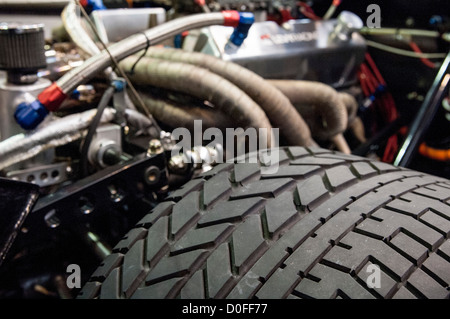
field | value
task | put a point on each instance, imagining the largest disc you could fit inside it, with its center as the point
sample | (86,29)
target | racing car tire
(313,224)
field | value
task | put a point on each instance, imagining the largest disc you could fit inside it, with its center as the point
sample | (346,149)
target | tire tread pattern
(308,230)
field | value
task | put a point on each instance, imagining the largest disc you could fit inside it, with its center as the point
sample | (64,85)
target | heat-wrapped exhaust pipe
(176,115)
(277,106)
(201,84)
(320,105)
(351,105)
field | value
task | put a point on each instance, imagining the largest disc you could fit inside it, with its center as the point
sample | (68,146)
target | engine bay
(109,107)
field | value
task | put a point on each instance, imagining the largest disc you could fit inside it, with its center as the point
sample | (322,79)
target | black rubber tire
(310,230)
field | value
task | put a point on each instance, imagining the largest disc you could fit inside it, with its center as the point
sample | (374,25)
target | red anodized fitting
(52,97)
(231,18)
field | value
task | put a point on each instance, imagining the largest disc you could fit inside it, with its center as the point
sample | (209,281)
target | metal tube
(425,115)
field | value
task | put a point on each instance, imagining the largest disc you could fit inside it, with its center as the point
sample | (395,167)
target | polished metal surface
(10,96)
(107,137)
(42,175)
(116,24)
(301,49)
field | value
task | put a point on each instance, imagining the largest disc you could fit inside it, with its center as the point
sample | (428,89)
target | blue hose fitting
(96,5)
(119,84)
(240,33)
(29,115)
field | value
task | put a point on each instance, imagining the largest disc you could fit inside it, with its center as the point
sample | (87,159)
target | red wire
(393,107)
(392,144)
(391,149)
(385,109)
(363,80)
(425,61)
(387,151)
(305,5)
(375,69)
(392,113)
(371,79)
(388,101)
(309,12)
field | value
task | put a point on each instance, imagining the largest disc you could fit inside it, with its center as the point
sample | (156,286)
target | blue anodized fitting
(96,4)
(29,115)
(240,33)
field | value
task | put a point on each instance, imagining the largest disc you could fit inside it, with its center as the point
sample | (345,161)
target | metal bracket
(110,201)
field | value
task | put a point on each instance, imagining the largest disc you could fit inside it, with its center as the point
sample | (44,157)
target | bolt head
(177,164)
(155,147)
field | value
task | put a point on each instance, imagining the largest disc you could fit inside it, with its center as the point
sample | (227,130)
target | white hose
(399,32)
(411,54)
(330,12)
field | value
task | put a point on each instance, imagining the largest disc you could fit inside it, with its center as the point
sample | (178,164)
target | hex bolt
(154,147)
(177,164)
